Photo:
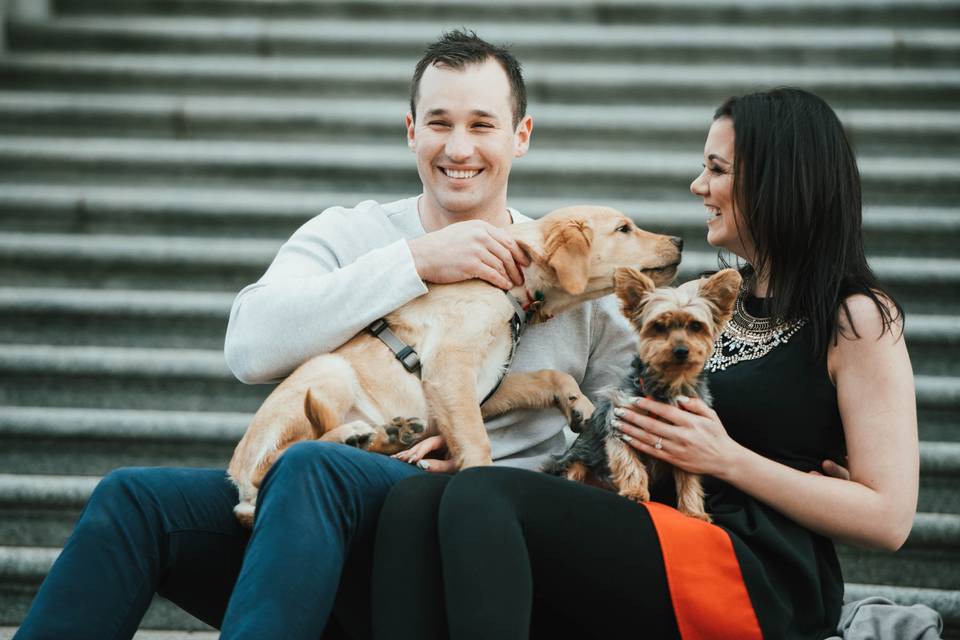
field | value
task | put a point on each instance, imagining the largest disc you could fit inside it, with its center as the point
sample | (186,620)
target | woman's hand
(690,435)
(418,452)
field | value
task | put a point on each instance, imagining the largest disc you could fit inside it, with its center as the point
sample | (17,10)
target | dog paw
(360,436)
(577,408)
(404,431)
(636,496)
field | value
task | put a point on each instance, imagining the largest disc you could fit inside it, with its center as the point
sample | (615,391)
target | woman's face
(715,186)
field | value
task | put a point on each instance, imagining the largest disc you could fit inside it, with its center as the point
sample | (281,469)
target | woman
(812,365)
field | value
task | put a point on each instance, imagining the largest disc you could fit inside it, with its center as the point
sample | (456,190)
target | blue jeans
(172,531)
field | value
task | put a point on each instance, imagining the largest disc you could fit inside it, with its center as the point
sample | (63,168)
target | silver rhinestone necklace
(748,338)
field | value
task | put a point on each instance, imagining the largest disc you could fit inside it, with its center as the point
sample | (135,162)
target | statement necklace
(748,338)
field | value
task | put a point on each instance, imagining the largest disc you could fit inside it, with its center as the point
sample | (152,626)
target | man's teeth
(453,173)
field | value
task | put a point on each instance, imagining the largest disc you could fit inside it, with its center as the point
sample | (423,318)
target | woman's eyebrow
(714,156)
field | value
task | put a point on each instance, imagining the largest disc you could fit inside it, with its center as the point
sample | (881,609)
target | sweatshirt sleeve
(613,343)
(334,276)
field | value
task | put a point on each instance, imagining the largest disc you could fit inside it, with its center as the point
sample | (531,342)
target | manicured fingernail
(617,424)
(625,437)
(635,399)
(618,412)
(423,464)
(683,399)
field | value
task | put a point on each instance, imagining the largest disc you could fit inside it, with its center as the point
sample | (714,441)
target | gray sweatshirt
(347,267)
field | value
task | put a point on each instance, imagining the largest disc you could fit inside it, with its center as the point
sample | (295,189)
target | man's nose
(459,145)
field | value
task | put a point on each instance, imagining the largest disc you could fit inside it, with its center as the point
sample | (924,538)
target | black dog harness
(410,359)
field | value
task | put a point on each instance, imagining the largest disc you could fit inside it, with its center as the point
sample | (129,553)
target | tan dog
(462,334)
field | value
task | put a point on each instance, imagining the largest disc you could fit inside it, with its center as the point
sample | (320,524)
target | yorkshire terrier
(677,328)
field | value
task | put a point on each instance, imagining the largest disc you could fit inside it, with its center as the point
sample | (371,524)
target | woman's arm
(875,393)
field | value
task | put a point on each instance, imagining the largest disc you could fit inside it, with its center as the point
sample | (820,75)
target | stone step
(585,174)
(243,212)
(198,320)
(579,42)
(48,440)
(874,131)
(198,380)
(22,569)
(927,285)
(124,318)
(123,378)
(937,13)
(929,559)
(579,82)
(6,633)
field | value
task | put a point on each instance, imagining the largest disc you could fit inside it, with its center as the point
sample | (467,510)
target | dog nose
(680,352)
(677,242)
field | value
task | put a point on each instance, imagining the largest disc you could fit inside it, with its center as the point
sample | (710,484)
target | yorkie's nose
(680,352)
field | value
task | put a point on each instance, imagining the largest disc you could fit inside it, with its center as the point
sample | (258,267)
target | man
(172,530)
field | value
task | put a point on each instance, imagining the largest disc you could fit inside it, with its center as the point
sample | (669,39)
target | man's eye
(436,123)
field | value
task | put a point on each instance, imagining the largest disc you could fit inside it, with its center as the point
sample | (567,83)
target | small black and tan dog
(677,328)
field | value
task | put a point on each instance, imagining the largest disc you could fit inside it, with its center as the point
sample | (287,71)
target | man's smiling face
(464,139)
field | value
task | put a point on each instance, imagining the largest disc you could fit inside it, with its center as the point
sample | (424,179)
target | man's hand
(467,250)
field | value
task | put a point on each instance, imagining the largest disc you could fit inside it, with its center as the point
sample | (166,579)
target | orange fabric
(709,597)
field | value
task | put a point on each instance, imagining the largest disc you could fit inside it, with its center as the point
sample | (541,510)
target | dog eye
(624,228)
(695,326)
(659,327)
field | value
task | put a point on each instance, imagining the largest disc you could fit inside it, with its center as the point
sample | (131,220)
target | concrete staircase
(155,153)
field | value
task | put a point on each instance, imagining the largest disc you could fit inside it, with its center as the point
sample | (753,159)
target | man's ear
(411,132)
(632,287)
(567,248)
(721,289)
(521,137)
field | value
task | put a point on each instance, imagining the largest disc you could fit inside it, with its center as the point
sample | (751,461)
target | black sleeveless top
(783,406)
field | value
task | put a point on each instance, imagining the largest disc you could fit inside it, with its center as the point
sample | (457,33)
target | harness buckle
(409,359)
(377,326)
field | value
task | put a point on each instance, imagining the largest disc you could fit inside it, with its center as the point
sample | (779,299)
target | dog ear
(567,249)
(532,254)
(632,286)
(721,289)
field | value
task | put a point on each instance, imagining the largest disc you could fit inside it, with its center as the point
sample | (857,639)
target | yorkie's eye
(659,327)
(624,228)
(695,326)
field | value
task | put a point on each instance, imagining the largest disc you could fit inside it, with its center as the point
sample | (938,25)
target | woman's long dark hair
(797,187)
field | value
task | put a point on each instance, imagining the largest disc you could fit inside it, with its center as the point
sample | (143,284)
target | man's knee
(119,494)
(314,457)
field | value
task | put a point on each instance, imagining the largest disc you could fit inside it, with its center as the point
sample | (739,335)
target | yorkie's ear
(721,289)
(631,286)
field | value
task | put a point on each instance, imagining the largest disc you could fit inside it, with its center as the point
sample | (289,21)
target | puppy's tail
(321,416)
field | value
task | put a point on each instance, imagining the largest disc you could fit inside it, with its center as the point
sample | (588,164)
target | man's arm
(307,303)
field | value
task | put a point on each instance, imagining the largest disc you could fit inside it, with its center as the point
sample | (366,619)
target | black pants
(497,553)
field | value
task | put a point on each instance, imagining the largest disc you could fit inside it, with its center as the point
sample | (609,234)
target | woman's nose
(699,186)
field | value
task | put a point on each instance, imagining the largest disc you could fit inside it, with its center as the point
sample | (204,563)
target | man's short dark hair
(457,49)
